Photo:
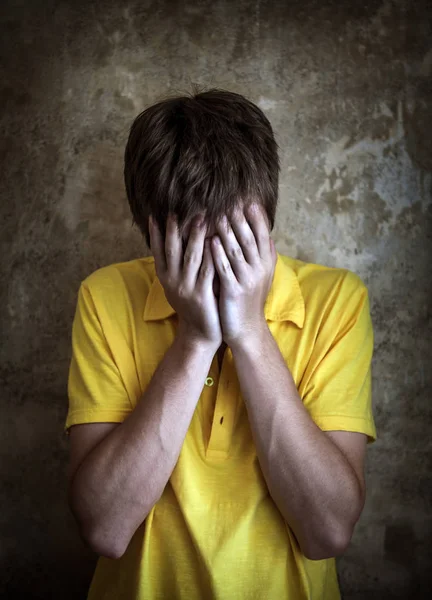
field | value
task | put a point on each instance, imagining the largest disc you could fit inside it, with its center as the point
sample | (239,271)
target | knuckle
(189,257)
(170,281)
(198,301)
(236,252)
(182,291)
(197,229)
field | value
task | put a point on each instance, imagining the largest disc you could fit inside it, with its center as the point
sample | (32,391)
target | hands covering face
(238,263)
(245,258)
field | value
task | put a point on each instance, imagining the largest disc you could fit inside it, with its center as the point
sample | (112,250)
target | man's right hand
(188,280)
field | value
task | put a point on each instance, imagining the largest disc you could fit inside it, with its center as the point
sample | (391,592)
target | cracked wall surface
(347,88)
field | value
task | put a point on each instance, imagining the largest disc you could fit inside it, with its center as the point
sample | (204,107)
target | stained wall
(347,88)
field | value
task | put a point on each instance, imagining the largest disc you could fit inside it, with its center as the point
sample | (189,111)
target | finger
(157,246)
(222,264)
(193,255)
(173,245)
(255,216)
(245,237)
(232,248)
(207,269)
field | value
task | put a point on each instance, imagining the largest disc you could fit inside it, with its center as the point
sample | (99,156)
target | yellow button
(209,381)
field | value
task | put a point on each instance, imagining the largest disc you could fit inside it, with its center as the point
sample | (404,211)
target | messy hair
(203,152)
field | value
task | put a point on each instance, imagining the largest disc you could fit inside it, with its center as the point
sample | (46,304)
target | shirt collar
(284,301)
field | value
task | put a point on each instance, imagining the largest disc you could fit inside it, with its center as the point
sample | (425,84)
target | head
(208,152)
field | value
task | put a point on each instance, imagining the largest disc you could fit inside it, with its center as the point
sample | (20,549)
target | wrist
(251,341)
(193,342)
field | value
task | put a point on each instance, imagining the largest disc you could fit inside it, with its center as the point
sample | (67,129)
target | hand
(188,283)
(245,258)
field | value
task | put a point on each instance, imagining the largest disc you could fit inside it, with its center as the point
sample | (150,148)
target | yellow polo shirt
(216,533)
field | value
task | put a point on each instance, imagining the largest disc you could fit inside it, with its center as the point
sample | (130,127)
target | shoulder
(136,273)
(121,284)
(322,283)
(330,294)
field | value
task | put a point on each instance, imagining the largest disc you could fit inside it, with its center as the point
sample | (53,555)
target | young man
(219,392)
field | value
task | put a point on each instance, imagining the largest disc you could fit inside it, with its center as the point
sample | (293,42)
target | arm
(122,478)
(315,478)
(311,481)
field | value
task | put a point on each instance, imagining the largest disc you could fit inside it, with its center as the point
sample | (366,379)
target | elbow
(103,547)
(91,535)
(110,546)
(327,548)
(109,552)
(334,543)
(97,542)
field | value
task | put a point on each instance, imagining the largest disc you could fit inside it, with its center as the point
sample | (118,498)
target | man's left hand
(245,258)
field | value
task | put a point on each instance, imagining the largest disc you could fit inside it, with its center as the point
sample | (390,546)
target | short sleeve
(338,392)
(96,392)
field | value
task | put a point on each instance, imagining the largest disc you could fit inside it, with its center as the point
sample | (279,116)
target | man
(219,392)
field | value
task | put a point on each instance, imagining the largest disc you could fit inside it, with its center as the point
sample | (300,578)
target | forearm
(310,480)
(124,476)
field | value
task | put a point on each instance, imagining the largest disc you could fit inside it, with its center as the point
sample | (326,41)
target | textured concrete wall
(347,87)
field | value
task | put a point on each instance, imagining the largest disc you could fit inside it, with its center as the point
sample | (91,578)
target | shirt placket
(226,388)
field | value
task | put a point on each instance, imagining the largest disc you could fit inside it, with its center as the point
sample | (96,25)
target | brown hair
(205,151)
